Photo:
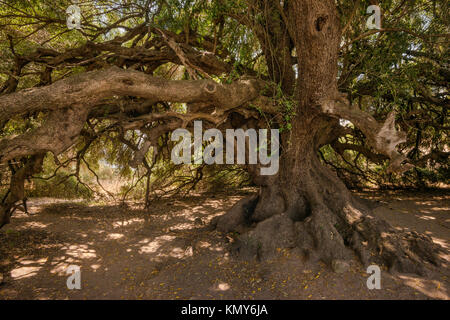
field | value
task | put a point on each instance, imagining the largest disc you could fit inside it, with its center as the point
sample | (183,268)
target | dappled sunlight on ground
(114,236)
(80,251)
(153,246)
(24,272)
(410,211)
(166,252)
(431,288)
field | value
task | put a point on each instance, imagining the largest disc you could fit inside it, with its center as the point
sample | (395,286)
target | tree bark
(16,190)
(305,205)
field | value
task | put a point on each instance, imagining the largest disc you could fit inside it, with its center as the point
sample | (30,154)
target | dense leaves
(402,67)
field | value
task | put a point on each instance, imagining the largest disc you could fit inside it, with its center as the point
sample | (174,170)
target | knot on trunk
(320,23)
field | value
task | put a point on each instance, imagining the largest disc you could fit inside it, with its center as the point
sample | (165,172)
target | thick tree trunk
(16,191)
(305,205)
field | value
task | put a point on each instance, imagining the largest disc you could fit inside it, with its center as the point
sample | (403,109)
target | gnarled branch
(383,137)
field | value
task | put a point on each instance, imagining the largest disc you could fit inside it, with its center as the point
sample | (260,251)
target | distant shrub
(59,187)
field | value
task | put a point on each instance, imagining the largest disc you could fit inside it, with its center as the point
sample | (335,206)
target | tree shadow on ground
(165,252)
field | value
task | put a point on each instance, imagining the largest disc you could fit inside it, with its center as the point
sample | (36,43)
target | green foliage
(287,108)
(60,186)
(406,71)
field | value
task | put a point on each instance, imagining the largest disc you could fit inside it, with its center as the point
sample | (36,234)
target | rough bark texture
(92,87)
(17,189)
(306,206)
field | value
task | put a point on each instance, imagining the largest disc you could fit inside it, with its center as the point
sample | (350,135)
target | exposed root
(237,218)
(328,235)
(408,252)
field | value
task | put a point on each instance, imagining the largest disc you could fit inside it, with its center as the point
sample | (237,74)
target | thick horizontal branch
(382,137)
(374,157)
(59,132)
(90,88)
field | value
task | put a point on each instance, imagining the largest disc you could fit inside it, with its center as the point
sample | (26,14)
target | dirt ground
(166,253)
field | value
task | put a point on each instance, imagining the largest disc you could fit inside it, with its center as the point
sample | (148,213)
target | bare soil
(166,252)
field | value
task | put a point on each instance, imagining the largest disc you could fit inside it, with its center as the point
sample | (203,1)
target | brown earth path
(165,253)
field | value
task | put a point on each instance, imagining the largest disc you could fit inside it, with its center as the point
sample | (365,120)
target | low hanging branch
(303,205)
(71,99)
(90,88)
(384,138)
(59,132)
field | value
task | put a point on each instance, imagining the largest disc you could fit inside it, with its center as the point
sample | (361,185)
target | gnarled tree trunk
(305,205)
